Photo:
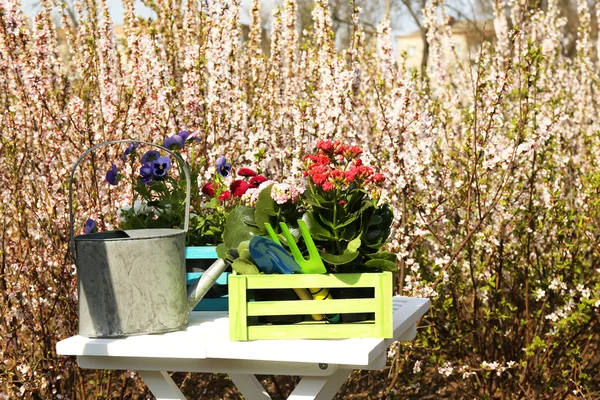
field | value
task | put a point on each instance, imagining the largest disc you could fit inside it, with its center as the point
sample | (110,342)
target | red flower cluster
(336,165)
(336,148)
(238,187)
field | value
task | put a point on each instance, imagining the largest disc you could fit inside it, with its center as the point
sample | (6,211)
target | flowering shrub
(491,171)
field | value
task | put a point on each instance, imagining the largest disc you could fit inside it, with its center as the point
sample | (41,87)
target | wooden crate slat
(300,307)
(201,252)
(297,281)
(238,315)
(383,290)
(308,331)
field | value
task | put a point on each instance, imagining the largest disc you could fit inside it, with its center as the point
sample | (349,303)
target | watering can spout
(197,291)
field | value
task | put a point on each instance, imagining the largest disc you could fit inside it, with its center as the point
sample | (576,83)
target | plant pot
(247,311)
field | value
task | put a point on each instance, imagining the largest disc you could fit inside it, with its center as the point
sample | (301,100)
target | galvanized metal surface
(131,282)
(131,286)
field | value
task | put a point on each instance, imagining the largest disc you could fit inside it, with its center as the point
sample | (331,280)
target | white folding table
(204,346)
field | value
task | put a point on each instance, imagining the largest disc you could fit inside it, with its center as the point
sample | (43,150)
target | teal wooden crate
(208,303)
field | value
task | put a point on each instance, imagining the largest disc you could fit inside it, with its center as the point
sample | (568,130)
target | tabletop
(204,346)
(207,336)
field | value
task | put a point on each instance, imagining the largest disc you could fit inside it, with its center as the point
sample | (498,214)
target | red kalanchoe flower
(246,172)
(337,177)
(225,195)
(351,174)
(310,157)
(342,202)
(325,145)
(238,187)
(377,178)
(341,149)
(209,189)
(255,181)
(319,169)
(353,152)
(319,179)
(328,186)
(364,172)
(322,159)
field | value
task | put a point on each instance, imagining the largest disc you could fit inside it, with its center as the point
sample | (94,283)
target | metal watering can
(133,282)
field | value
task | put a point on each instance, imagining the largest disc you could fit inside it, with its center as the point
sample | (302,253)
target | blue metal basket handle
(177,157)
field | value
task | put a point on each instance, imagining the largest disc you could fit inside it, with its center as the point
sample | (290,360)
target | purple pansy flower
(161,166)
(111,175)
(146,173)
(178,140)
(150,156)
(223,168)
(174,142)
(130,149)
(194,137)
(184,135)
(90,227)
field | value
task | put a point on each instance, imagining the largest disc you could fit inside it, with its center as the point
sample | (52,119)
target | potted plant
(340,204)
(159,198)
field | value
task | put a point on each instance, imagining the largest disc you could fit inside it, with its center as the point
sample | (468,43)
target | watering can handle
(175,155)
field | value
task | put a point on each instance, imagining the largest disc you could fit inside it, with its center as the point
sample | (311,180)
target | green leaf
(375,220)
(245,245)
(339,259)
(325,221)
(382,264)
(222,251)
(317,231)
(349,232)
(238,227)
(383,255)
(354,245)
(245,254)
(347,222)
(265,207)
(244,267)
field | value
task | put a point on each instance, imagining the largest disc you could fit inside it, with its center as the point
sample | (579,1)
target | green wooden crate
(243,313)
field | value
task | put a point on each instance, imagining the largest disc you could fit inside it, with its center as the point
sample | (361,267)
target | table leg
(249,387)
(161,385)
(320,387)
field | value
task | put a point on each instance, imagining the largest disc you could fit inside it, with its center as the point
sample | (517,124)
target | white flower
(539,294)
(446,370)
(417,367)
(552,317)
(490,366)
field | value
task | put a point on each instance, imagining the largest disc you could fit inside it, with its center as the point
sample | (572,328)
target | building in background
(468,36)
